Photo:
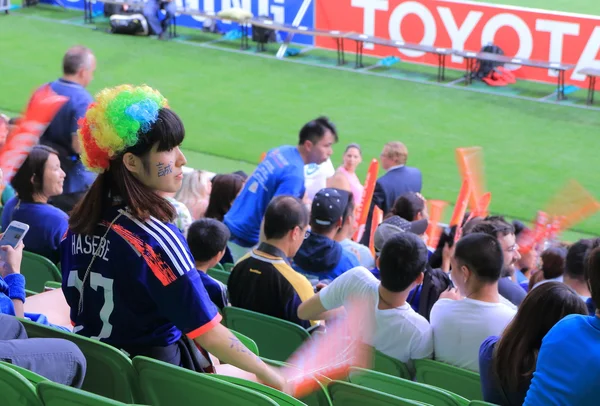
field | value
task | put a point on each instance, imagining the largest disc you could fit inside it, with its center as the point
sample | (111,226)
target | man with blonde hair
(398,180)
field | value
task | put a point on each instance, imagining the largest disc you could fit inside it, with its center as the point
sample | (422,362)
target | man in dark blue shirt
(79,65)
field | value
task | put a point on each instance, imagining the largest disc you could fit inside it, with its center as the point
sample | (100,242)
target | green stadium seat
(388,365)
(457,380)
(15,389)
(247,341)
(481,403)
(55,394)
(280,398)
(219,274)
(276,338)
(52,285)
(219,267)
(348,394)
(109,371)
(32,377)
(37,270)
(404,388)
(228,267)
(166,385)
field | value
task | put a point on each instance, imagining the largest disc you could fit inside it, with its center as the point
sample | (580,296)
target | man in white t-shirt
(399,331)
(460,326)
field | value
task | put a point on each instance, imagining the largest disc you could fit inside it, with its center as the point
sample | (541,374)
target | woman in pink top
(352,158)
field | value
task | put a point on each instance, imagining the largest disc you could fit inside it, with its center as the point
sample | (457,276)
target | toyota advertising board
(463,25)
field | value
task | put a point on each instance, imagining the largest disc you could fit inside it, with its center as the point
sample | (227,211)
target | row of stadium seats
(111,374)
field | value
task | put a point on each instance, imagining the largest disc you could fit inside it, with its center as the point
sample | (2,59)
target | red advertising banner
(462,25)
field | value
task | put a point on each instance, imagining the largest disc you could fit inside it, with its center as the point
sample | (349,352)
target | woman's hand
(12,259)
(273,378)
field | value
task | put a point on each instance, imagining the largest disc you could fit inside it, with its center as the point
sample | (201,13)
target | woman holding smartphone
(39,178)
(128,274)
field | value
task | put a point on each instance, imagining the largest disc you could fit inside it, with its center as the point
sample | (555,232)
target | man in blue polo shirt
(280,173)
(79,65)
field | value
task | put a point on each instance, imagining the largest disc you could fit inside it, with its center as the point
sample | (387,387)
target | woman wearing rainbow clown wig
(128,274)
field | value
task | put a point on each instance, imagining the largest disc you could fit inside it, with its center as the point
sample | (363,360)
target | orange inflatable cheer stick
(470,167)
(41,110)
(329,356)
(436,213)
(571,205)
(462,201)
(365,204)
(262,157)
(483,205)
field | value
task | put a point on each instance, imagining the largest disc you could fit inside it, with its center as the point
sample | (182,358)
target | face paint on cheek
(164,169)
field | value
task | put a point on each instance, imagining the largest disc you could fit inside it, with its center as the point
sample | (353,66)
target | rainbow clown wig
(115,121)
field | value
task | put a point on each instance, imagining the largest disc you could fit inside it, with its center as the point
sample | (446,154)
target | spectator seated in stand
(552,267)
(505,233)
(462,320)
(55,359)
(395,225)
(12,287)
(398,331)
(39,178)
(320,255)
(195,192)
(567,371)
(224,190)
(574,275)
(507,363)
(207,239)
(263,281)
(345,233)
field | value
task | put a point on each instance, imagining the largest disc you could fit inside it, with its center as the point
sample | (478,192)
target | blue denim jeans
(58,360)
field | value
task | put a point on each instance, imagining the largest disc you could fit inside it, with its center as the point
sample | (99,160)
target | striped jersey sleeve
(170,275)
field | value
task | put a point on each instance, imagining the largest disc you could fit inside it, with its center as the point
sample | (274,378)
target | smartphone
(14,233)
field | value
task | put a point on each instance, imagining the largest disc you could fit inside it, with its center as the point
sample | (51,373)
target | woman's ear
(132,163)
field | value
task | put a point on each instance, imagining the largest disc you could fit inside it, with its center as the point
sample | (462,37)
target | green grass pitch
(236,106)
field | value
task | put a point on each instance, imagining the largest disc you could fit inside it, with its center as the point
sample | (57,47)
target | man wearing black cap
(320,255)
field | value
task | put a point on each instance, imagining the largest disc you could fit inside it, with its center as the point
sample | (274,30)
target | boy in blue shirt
(207,239)
(568,365)
(280,173)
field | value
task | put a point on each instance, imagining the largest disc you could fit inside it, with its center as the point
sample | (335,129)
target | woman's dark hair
(516,352)
(33,167)
(553,262)
(353,145)
(408,206)
(225,188)
(118,182)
